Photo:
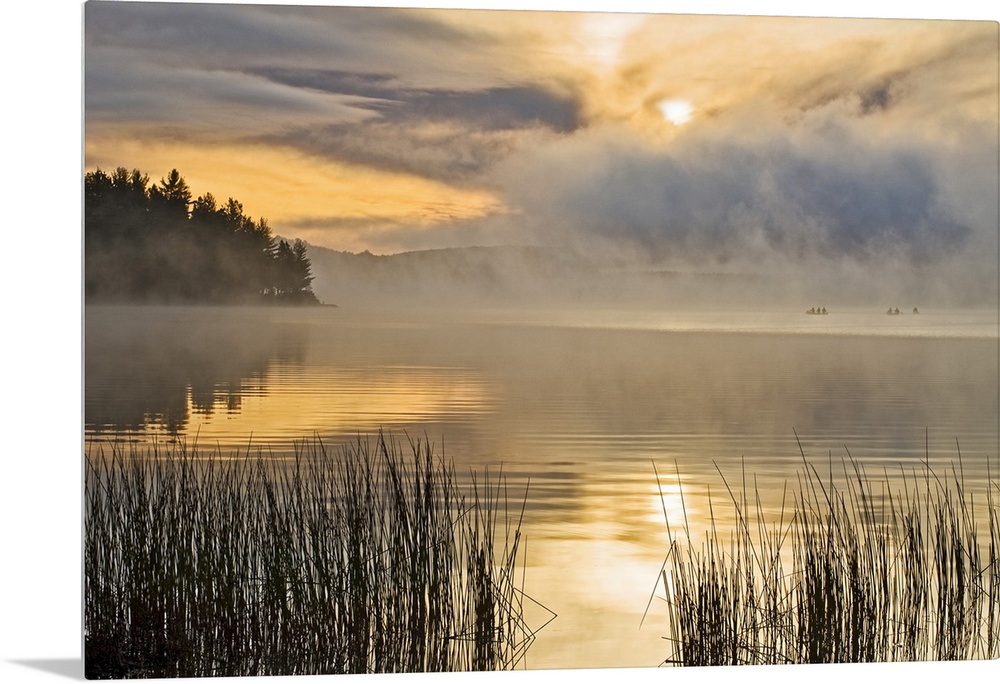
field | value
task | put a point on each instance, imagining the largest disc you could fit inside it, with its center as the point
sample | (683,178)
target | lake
(611,415)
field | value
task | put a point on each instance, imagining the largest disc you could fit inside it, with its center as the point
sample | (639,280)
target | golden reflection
(667,505)
(294,407)
(613,580)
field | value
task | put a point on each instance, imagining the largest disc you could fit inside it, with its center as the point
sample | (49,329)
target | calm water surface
(583,403)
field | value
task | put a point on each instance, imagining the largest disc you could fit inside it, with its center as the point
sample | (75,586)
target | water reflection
(222,375)
(589,413)
(153,368)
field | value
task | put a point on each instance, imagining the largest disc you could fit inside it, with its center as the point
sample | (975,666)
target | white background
(40,478)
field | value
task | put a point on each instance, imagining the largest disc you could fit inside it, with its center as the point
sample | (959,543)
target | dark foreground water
(584,404)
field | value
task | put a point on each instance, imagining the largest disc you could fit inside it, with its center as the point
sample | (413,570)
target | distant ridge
(508,275)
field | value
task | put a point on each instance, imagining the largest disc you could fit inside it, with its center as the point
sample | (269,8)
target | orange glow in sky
(382,129)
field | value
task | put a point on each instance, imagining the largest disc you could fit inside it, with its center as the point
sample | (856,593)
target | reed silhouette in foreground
(857,572)
(359,561)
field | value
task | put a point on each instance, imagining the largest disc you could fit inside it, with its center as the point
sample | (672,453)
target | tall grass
(354,562)
(848,574)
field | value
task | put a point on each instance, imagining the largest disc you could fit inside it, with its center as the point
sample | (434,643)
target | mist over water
(615,276)
(589,405)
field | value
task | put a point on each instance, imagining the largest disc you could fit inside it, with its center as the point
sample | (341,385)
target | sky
(838,146)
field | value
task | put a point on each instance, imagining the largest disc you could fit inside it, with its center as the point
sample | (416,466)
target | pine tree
(154,243)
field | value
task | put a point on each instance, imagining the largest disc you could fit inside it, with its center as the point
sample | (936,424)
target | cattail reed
(849,574)
(360,561)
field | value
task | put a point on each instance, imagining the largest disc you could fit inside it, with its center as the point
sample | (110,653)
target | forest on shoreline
(155,243)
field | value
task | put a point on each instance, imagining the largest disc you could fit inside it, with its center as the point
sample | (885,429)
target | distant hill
(507,276)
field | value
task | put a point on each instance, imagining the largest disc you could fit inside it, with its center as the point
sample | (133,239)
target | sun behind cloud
(677,112)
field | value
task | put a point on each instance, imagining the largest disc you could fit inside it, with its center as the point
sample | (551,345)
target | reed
(847,573)
(365,560)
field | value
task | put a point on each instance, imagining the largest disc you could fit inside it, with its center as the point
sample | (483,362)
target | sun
(677,112)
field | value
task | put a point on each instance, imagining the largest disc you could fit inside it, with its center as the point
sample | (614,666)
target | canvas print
(425,340)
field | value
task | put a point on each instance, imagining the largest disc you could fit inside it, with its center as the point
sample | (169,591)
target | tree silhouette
(292,273)
(154,243)
(171,197)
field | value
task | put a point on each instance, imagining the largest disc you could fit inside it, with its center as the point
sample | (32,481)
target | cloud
(437,133)
(495,108)
(361,84)
(859,146)
(224,104)
(296,46)
(889,203)
(828,193)
(876,97)
(454,154)
(433,136)
(230,36)
(419,92)
(917,68)
(501,108)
